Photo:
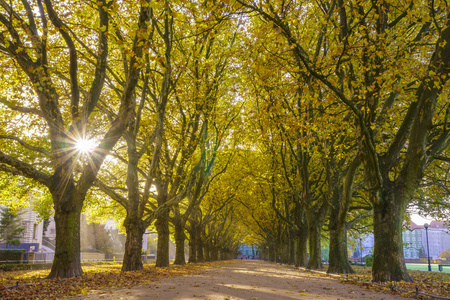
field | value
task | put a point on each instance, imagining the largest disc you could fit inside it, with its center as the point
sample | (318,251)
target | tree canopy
(278,123)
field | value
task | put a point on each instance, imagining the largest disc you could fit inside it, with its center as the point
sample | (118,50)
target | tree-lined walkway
(245,279)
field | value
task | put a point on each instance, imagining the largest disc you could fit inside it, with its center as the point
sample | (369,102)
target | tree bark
(301,239)
(207,253)
(180,237)
(315,260)
(285,255)
(338,261)
(162,228)
(133,246)
(200,256)
(291,248)
(214,253)
(67,261)
(272,254)
(192,244)
(388,261)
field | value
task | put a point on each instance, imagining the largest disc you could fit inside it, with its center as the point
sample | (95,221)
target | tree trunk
(301,241)
(276,250)
(180,237)
(67,261)
(214,253)
(388,259)
(272,254)
(291,248)
(192,245)
(315,260)
(162,227)
(207,251)
(338,262)
(133,246)
(133,222)
(199,251)
(286,249)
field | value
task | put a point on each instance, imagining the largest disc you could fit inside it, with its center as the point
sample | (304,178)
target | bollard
(114,258)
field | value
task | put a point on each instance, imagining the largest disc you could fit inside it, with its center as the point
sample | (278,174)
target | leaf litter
(97,278)
(432,283)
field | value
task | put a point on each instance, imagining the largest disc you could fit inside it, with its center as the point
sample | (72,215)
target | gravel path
(245,279)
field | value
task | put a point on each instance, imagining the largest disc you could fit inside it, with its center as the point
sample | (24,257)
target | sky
(420,220)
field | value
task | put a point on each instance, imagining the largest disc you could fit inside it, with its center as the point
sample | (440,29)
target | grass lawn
(424,267)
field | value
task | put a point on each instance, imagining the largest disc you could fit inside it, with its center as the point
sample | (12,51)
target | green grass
(424,267)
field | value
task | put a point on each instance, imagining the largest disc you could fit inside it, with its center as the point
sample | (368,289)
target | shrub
(369,260)
(13,255)
(13,267)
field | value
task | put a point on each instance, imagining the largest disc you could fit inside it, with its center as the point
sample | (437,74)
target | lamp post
(428,246)
(360,247)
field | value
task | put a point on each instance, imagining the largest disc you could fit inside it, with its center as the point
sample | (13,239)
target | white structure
(438,237)
(33,227)
(414,240)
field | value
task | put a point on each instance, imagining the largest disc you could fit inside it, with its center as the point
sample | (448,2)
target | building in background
(32,240)
(248,252)
(414,242)
(438,237)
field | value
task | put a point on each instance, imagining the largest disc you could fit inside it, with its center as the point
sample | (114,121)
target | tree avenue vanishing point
(286,124)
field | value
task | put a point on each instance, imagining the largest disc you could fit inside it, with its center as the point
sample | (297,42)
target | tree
(445,254)
(180,89)
(10,227)
(58,57)
(359,65)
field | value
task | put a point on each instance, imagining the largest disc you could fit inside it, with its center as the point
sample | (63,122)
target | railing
(46,242)
(46,257)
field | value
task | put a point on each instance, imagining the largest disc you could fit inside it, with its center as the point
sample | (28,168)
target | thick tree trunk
(200,256)
(301,242)
(67,261)
(291,248)
(338,262)
(286,251)
(315,260)
(133,245)
(276,250)
(133,222)
(180,237)
(214,253)
(192,245)
(388,259)
(206,249)
(162,227)
(272,254)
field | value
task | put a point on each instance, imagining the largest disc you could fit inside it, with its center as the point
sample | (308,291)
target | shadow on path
(245,279)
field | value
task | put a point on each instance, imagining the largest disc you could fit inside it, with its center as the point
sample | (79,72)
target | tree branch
(73,66)
(26,145)
(27,110)
(16,167)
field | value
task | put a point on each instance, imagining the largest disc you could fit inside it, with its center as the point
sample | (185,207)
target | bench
(441,267)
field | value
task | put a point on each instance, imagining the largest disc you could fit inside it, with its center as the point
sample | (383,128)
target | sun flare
(85,146)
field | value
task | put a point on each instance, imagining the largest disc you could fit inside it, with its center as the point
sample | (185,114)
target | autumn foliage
(98,278)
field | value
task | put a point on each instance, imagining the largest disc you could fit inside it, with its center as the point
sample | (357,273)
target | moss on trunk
(162,228)
(180,237)
(388,259)
(133,245)
(67,261)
